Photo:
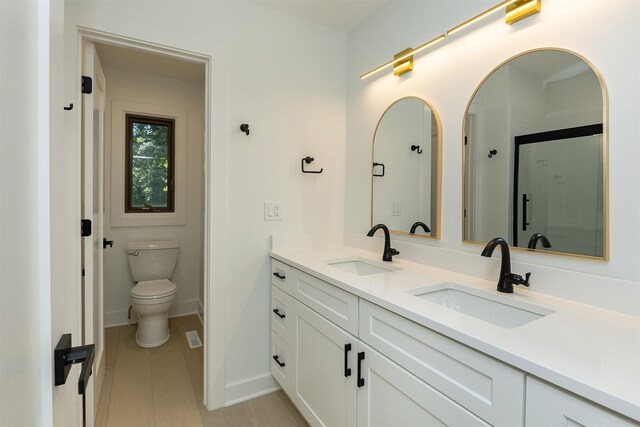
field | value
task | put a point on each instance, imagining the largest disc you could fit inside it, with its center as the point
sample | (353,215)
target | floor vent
(193,339)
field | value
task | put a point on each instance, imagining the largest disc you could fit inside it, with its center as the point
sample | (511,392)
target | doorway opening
(118,164)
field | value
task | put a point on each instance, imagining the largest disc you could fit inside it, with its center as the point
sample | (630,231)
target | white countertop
(590,351)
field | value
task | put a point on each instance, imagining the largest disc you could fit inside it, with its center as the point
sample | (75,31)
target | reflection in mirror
(406,169)
(534,156)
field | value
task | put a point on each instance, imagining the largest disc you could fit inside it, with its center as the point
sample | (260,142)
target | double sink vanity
(360,342)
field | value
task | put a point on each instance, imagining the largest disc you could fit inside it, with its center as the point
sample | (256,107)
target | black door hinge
(87,85)
(465,140)
(85,227)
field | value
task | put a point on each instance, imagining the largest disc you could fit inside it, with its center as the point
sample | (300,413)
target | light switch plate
(273,211)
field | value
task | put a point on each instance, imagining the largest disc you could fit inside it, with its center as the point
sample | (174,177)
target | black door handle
(279,276)
(277,359)
(277,312)
(347,369)
(360,359)
(64,356)
(106,243)
(524,212)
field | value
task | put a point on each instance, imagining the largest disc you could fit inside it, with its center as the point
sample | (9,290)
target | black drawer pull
(279,276)
(277,312)
(277,359)
(360,359)
(347,369)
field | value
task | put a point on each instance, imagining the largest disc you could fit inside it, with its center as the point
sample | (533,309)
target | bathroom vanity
(359,342)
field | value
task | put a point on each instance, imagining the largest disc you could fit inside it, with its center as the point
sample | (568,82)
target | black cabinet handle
(279,276)
(360,359)
(277,359)
(347,369)
(277,312)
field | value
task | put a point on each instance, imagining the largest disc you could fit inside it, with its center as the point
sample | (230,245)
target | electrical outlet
(396,209)
(273,211)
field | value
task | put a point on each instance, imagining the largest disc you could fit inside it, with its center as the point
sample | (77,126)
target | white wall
(448,75)
(31,282)
(286,78)
(125,85)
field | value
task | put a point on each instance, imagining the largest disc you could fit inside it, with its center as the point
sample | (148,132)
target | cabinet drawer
(488,388)
(281,275)
(548,405)
(281,314)
(281,351)
(337,305)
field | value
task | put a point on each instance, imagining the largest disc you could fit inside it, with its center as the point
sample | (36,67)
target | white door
(93,108)
(391,396)
(322,389)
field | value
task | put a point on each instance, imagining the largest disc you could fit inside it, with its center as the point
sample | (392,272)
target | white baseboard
(201,313)
(119,317)
(249,389)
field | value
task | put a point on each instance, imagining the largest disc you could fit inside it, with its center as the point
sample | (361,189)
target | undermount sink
(495,309)
(361,266)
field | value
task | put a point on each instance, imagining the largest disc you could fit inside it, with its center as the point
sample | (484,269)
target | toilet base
(153,330)
(153,322)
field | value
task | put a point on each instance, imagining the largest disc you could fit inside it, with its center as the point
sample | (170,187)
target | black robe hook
(244,128)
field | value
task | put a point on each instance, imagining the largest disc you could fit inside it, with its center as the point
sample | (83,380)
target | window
(150,158)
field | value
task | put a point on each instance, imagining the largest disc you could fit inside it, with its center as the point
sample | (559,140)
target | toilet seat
(153,289)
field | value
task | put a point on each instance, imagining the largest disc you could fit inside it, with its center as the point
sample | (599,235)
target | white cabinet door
(550,406)
(322,389)
(391,396)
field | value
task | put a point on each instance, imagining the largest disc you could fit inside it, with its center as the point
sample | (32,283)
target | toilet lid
(153,289)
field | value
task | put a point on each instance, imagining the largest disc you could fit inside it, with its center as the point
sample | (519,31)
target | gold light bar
(522,9)
(516,10)
(480,16)
(403,57)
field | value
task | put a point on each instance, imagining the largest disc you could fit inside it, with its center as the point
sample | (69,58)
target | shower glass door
(558,189)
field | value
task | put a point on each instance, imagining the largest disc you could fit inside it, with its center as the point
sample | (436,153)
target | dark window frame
(130,119)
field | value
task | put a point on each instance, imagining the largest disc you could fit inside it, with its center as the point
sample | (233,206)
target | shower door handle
(525,200)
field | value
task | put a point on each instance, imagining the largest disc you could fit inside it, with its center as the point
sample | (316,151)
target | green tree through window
(150,171)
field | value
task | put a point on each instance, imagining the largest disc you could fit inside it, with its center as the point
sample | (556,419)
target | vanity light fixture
(476,18)
(522,9)
(516,10)
(400,57)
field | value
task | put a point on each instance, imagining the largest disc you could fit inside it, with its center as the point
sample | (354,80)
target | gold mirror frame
(438,222)
(605,159)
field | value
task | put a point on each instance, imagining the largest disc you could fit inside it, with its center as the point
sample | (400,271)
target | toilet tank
(152,260)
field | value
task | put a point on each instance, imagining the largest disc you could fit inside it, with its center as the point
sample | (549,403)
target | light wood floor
(163,386)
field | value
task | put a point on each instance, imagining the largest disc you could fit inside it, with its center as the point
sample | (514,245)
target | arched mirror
(406,169)
(535,156)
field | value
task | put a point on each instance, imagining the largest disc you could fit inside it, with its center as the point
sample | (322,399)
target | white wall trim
(179,309)
(250,389)
(119,110)
(201,312)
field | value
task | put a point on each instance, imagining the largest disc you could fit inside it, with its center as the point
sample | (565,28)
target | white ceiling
(144,62)
(343,15)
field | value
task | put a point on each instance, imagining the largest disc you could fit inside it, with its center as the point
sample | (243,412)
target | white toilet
(152,265)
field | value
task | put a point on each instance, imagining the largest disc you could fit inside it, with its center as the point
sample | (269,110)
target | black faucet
(507,279)
(419,224)
(533,241)
(389,252)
